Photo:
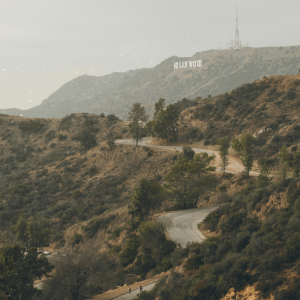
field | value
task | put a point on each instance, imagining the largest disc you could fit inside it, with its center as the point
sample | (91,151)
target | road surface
(235,166)
(135,292)
(182,225)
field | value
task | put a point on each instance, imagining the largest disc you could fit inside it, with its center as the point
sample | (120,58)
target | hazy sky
(44,44)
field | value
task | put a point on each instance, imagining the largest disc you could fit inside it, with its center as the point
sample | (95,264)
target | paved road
(182,225)
(135,292)
(235,166)
(148,139)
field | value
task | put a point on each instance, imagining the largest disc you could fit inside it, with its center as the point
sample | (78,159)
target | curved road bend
(182,225)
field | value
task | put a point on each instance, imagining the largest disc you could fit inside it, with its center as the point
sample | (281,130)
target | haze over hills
(221,71)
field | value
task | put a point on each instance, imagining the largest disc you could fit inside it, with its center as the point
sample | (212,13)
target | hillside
(268,109)
(45,170)
(63,170)
(115,93)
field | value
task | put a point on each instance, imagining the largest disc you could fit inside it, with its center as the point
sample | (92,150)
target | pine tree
(247,142)
(263,179)
(165,124)
(137,116)
(284,161)
(296,164)
(224,145)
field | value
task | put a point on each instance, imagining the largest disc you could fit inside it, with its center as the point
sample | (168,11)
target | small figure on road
(141,288)
(129,290)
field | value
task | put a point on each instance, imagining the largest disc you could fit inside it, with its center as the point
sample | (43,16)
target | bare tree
(80,274)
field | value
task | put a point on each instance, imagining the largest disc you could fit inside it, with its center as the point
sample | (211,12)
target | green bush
(50,135)
(115,248)
(76,194)
(76,238)
(99,210)
(97,224)
(92,171)
(62,137)
(30,126)
(116,233)
(128,255)
(222,188)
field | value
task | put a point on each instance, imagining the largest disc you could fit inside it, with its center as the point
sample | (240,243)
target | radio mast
(237,42)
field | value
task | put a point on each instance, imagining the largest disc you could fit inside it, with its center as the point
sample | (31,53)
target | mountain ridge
(221,71)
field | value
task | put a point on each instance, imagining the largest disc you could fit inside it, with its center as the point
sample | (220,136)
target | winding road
(182,225)
(235,165)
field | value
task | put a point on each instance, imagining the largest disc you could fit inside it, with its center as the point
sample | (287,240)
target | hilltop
(221,72)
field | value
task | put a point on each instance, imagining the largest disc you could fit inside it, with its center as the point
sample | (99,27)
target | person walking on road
(129,290)
(141,288)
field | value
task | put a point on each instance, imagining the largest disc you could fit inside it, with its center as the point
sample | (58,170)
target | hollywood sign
(188,64)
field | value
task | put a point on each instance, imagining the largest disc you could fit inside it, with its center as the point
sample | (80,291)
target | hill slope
(115,93)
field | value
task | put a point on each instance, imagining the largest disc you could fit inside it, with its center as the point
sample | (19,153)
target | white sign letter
(199,63)
(190,64)
(176,65)
(194,64)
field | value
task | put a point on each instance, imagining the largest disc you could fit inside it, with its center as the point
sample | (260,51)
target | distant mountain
(221,71)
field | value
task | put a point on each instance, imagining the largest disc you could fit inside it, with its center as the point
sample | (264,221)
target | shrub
(148,150)
(115,248)
(128,255)
(30,126)
(112,119)
(188,152)
(77,194)
(97,224)
(92,171)
(62,137)
(66,122)
(116,233)
(290,95)
(99,210)
(76,238)
(292,247)
(222,188)
(50,135)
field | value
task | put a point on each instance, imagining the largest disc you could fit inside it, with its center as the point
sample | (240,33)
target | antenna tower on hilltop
(237,42)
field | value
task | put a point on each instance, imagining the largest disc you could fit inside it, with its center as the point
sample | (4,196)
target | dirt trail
(235,165)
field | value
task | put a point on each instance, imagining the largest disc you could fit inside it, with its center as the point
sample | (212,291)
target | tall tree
(224,145)
(20,229)
(137,116)
(165,124)
(36,231)
(296,164)
(147,196)
(180,182)
(18,271)
(284,161)
(202,180)
(247,142)
(172,115)
(160,105)
(80,273)
(263,179)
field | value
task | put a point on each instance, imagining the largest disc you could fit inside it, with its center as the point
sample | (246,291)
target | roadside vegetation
(67,184)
